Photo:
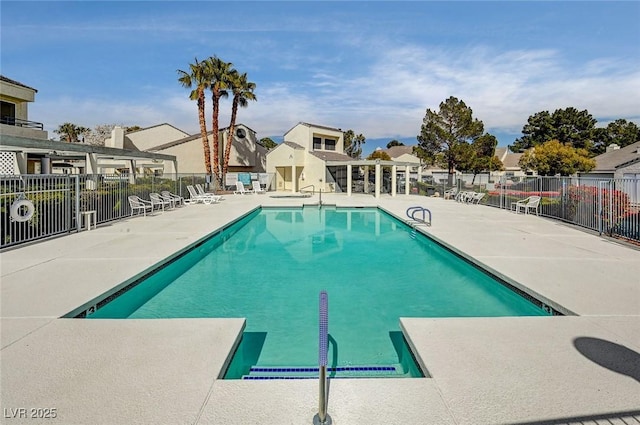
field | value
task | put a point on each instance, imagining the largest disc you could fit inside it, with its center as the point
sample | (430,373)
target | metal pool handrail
(302,190)
(322,418)
(411,213)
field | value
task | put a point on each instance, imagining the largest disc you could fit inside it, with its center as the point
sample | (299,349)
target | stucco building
(312,157)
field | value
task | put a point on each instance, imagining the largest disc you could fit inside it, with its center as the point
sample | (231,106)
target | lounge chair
(464,196)
(532,202)
(204,199)
(476,197)
(201,191)
(257,188)
(240,190)
(138,204)
(158,200)
(175,199)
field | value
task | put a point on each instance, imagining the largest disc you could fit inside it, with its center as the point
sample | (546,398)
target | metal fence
(608,206)
(33,207)
(37,206)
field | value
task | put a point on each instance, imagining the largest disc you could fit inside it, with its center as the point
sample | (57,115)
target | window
(317,143)
(8,113)
(330,144)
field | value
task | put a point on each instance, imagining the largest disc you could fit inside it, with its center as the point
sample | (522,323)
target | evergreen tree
(444,131)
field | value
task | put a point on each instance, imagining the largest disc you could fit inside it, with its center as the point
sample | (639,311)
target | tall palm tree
(242,90)
(218,72)
(197,76)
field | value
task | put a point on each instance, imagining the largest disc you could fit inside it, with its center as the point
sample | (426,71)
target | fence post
(77,202)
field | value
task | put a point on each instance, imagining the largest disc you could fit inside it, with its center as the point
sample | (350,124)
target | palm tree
(242,90)
(71,132)
(197,76)
(218,72)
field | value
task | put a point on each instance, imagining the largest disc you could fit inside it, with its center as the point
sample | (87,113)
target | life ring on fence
(17,214)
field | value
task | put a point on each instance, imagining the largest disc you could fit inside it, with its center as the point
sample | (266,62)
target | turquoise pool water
(271,265)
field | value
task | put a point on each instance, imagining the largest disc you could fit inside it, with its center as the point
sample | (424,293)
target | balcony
(21,123)
(12,126)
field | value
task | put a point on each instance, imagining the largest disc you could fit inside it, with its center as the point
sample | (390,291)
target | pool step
(297,372)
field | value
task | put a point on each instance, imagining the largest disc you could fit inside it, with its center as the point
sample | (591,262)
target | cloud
(390,92)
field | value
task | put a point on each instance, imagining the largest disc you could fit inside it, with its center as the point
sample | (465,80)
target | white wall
(154,136)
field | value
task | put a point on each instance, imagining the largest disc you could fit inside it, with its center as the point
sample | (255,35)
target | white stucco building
(312,157)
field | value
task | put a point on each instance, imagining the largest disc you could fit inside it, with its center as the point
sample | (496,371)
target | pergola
(377,164)
(96,158)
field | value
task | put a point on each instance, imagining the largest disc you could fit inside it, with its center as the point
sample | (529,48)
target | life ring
(17,214)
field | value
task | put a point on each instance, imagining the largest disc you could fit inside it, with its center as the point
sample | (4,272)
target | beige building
(14,114)
(510,162)
(617,162)
(247,154)
(311,158)
(300,161)
(25,148)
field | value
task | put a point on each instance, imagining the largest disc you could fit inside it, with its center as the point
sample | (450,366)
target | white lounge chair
(476,197)
(532,202)
(197,198)
(138,204)
(175,199)
(240,190)
(464,196)
(257,188)
(201,191)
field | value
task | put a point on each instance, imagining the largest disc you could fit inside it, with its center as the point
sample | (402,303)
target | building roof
(331,156)
(188,138)
(313,125)
(512,160)
(157,125)
(17,83)
(501,151)
(396,151)
(610,161)
(509,159)
(293,145)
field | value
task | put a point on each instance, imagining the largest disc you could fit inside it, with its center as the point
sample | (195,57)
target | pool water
(270,266)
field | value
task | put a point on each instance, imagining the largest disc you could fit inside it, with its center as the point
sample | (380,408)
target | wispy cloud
(390,97)
(375,77)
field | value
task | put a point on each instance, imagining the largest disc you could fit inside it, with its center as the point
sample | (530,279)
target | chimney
(612,147)
(117,138)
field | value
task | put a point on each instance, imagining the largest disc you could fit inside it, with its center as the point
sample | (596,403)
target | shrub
(608,205)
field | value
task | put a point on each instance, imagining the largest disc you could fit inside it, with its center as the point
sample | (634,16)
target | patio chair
(157,200)
(207,198)
(177,200)
(257,188)
(201,191)
(451,193)
(138,204)
(464,196)
(476,197)
(532,202)
(240,190)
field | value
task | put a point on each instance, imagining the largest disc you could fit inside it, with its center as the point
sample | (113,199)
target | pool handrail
(411,213)
(322,418)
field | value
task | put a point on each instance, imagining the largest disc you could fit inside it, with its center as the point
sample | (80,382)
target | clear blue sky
(374,67)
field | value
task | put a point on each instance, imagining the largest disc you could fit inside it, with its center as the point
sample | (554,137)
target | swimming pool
(270,266)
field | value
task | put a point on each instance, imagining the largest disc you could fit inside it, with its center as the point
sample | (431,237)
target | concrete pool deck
(582,368)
